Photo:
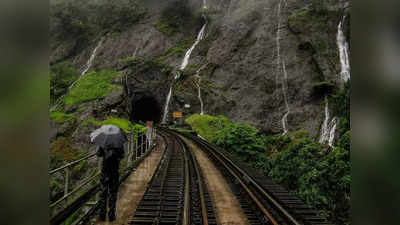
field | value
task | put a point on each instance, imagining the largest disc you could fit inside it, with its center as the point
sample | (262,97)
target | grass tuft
(93,85)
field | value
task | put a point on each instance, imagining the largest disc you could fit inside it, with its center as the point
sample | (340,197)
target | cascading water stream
(278,70)
(343,47)
(185,62)
(332,131)
(89,62)
(324,129)
(284,90)
(88,65)
(199,93)
(328,129)
(278,44)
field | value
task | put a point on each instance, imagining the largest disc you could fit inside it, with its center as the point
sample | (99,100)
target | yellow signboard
(177,115)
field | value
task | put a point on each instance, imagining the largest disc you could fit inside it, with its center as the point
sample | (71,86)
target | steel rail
(186,204)
(253,182)
(190,158)
(248,191)
(201,191)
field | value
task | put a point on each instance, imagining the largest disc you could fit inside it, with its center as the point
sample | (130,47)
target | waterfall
(332,131)
(324,129)
(328,129)
(343,47)
(284,90)
(199,93)
(90,61)
(88,65)
(185,62)
(278,45)
(135,52)
(278,70)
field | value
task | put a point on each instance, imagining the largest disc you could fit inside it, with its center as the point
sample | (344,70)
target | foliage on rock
(207,126)
(92,86)
(341,108)
(317,174)
(62,75)
(122,123)
(60,117)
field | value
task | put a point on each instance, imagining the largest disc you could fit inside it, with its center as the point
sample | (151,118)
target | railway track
(176,193)
(263,201)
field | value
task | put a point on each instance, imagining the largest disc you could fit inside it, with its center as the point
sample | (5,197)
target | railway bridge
(176,178)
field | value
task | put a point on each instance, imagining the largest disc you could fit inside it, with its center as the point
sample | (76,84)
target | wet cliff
(266,63)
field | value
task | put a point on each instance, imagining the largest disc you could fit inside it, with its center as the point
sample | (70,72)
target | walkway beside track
(134,187)
(227,207)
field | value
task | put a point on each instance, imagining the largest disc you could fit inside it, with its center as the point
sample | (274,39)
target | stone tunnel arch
(146,108)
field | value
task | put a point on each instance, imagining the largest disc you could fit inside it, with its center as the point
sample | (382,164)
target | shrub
(341,108)
(241,139)
(62,75)
(124,124)
(345,140)
(320,177)
(61,150)
(207,126)
(92,86)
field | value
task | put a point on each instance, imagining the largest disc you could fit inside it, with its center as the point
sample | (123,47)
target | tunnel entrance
(146,109)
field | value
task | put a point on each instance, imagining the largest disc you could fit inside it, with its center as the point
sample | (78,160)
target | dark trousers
(109,191)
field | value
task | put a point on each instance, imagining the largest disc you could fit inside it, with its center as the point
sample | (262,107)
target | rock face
(249,47)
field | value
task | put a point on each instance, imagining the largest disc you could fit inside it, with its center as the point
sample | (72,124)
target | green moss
(124,124)
(92,86)
(60,117)
(207,126)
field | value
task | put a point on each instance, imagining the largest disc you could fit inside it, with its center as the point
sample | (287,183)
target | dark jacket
(111,158)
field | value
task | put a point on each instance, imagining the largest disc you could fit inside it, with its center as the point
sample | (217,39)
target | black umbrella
(108,136)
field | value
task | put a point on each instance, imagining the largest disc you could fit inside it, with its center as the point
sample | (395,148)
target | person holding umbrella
(110,140)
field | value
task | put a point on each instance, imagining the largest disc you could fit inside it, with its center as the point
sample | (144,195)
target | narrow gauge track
(263,201)
(176,193)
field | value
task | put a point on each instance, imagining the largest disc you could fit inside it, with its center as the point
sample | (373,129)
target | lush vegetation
(92,86)
(62,75)
(317,173)
(124,124)
(341,108)
(207,126)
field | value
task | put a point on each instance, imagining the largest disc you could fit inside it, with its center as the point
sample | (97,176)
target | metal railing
(135,148)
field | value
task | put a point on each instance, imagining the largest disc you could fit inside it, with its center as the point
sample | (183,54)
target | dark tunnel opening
(146,109)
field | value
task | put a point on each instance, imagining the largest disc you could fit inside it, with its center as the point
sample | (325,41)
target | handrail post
(136,147)
(66,184)
(141,146)
(129,152)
